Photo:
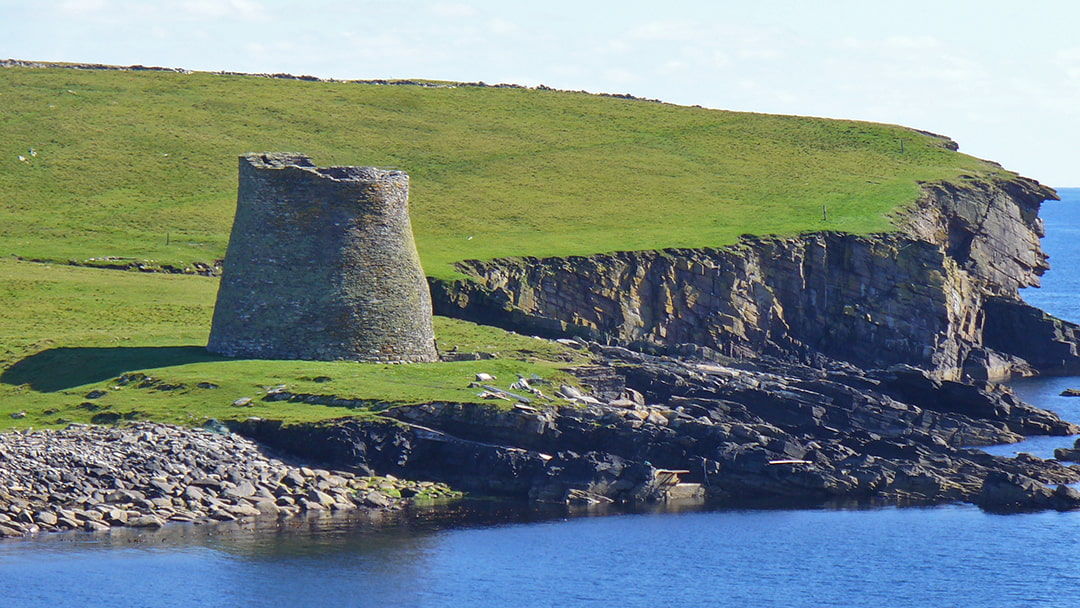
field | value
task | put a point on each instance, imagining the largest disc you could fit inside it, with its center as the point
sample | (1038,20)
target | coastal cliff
(918,296)
(817,367)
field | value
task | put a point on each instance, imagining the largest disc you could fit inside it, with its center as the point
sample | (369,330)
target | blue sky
(1002,78)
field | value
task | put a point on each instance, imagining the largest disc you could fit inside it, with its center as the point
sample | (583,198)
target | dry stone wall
(322,265)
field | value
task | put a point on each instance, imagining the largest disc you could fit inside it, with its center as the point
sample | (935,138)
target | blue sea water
(508,555)
(1060,291)
(940,557)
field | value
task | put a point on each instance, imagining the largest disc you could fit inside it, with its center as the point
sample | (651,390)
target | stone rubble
(147,474)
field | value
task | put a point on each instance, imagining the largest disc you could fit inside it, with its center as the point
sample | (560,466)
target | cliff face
(755,404)
(991,229)
(916,297)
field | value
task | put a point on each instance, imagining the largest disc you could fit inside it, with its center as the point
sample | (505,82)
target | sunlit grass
(143,165)
(68,331)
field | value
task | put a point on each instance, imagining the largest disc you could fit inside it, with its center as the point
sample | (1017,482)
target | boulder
(1013,492)
(145,521)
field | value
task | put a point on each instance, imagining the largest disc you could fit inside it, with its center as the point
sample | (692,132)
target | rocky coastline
(811,368)
(785,433)
(144,475)
(940,293)
(760,431)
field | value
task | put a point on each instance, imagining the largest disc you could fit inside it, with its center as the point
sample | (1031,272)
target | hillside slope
(143,165)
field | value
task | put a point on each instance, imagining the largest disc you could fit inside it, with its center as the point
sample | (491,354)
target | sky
(1001,78)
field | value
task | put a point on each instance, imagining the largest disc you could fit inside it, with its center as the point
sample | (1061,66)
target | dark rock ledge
(762,430)
(145,475)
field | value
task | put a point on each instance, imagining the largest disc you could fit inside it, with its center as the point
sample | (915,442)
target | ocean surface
(1060,291)
(505,554)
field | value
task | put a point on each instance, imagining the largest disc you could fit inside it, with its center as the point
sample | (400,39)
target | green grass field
(142,166)
(68,331)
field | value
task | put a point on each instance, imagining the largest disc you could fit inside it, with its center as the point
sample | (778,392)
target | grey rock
(145,521)
(242,490)
(11,530)
(96,526)
(68,523)
(377,500)
(320,497)
(243,510)
(294,479)
(266,506)
(309,505)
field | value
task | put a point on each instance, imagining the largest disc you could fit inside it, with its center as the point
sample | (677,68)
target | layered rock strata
(876,300)
(915,297)
(749,430)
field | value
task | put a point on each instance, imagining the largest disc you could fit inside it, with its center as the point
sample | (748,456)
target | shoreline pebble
(146,475)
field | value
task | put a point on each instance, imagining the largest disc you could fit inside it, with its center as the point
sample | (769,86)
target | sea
(499,554)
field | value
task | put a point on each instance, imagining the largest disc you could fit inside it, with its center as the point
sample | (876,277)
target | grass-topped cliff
(142,166)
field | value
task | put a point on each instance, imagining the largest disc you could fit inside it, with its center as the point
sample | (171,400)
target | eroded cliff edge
(941,293)
(819,367)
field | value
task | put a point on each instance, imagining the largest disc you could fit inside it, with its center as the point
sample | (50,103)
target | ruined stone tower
(322,265)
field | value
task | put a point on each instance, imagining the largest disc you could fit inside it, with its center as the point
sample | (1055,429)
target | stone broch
(322,265)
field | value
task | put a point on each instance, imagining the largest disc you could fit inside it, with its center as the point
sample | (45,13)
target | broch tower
(322,265)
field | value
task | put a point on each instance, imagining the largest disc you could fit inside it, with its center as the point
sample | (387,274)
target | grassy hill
(142,165)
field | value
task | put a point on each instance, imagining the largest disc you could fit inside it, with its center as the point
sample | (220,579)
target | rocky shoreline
(145,475)
(765,430)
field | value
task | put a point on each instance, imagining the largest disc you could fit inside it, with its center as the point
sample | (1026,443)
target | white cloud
(757,54)
(82,7)
(503,27)
(622,76)
(155,12)
(453,10)
(663,31)
(718,59)
(1067,62)
(218,9)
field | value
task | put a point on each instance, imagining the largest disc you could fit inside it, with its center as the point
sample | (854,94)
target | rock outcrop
(1042,341)
(991,228)
(916,297)
(747,430)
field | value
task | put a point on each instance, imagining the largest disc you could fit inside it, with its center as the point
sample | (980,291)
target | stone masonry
(321,265)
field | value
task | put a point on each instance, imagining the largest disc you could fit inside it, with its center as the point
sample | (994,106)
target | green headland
(141,166)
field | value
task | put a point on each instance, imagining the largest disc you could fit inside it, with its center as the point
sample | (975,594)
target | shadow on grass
(57,369)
